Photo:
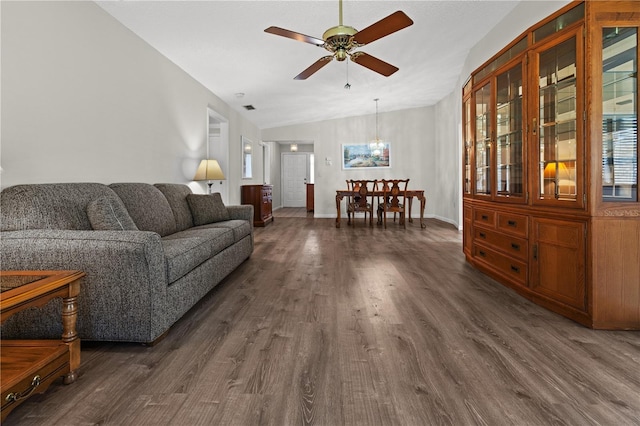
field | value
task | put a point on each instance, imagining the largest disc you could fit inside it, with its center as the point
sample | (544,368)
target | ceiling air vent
(249,107)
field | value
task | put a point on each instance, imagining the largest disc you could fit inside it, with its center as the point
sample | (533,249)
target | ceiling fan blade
(313,68)
(296,36)
(389,25)
(373,63)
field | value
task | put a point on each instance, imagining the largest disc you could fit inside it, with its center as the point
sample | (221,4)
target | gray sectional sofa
(150,252)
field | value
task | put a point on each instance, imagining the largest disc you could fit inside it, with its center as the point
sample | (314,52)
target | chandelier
(377,145)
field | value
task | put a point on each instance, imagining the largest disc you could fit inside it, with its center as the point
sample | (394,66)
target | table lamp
(209,170)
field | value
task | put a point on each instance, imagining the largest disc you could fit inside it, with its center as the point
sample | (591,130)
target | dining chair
(349,199)
(352,185)
(361,200)
(394,197)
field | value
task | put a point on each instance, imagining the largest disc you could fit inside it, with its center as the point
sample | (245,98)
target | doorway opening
(218,149)
(295,176)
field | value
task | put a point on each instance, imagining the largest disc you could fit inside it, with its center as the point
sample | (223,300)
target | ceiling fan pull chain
(347,86)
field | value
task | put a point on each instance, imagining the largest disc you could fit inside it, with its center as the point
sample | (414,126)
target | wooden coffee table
(30,366)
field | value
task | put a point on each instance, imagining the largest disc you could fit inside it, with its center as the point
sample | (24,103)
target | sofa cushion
(185,250)
(146,205)
(240,228)
(109,214)
(176,195)
(49,205)
(207,208)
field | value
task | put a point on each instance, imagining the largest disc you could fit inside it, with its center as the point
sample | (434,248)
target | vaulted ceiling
(222,44)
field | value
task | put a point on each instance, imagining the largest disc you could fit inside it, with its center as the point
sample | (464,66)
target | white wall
(412,138)
(446,195)
(84,99)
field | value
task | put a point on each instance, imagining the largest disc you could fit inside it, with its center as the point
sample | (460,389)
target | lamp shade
(550,171)
(209,170)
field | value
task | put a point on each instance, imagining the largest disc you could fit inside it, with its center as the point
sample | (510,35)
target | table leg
(338,202)
(69,334)
(423,202)
(410,203)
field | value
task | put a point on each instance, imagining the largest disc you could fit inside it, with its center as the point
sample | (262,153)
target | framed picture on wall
(375,155)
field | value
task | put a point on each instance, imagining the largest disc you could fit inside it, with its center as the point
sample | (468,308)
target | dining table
(411,193)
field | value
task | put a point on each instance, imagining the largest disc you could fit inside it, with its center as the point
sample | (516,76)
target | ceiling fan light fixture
(340,33)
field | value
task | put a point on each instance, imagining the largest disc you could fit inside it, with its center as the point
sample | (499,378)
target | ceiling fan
(342,40)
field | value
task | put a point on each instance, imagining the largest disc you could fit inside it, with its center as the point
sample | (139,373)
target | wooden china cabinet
(550,164)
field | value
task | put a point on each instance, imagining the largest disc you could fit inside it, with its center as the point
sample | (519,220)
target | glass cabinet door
(620,114)
(468,144)
(509,135)
(482,141)
(558,134)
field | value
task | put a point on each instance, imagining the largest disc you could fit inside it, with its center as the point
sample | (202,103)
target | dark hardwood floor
(354,326)
(292,212)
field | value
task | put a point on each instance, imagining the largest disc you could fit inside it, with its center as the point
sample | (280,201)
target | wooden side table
(30,366)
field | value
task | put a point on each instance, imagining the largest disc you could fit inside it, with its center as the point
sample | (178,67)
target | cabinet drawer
(513,224)
(484,217)
(505,265)
(516,247)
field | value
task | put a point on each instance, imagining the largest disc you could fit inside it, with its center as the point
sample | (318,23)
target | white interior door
(295,172)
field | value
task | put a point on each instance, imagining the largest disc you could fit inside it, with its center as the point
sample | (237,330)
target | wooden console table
(418,193)
(30,366)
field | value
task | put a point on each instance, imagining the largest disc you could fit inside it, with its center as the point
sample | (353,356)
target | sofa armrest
(243,212)
(122,297)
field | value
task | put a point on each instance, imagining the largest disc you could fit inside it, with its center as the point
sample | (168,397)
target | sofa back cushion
(109,214)
(176,195)
(207,208)
(146,205)
(49,206)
